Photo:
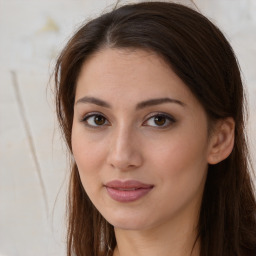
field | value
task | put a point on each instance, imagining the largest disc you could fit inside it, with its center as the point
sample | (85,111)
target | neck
(166,240)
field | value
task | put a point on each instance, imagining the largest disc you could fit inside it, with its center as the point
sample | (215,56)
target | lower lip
(127,195)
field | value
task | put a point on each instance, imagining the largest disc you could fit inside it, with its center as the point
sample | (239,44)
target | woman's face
(139,139)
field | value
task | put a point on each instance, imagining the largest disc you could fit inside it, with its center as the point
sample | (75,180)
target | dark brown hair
(201,56)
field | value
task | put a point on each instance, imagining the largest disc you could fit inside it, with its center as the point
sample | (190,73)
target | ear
(221,141)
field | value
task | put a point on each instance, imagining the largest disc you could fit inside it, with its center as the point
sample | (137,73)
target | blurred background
(33,161)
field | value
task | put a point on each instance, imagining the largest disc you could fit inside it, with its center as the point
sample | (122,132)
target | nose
(125,153)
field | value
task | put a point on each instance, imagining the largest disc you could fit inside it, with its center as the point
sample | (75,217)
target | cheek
(181,160)
(180,171)
(180,150)
(86,147)
(89,157)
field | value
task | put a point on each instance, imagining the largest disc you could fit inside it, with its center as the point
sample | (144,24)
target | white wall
(33,164)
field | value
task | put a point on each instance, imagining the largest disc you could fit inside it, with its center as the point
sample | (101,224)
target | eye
(159,120)
(95,120)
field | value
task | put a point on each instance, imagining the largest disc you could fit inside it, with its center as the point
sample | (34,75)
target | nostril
(124,160)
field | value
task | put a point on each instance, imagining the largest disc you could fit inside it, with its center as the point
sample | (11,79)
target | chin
(129,226)
(128,222)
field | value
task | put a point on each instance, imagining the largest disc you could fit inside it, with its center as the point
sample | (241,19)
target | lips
(127,191)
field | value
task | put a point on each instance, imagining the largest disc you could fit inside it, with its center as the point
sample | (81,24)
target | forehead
(129,75)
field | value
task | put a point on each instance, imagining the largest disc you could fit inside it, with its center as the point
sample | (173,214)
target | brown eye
(99,120)
(160,120)
(95,120)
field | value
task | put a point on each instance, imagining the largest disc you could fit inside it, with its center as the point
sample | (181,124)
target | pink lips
(127,191)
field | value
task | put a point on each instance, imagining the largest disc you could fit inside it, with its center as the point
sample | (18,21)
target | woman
(150,101)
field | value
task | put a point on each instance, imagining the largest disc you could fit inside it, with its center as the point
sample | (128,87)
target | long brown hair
(201,56)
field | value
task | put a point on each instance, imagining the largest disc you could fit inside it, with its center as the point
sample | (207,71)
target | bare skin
(135,119)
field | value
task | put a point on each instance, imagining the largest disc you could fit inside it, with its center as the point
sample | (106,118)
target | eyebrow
(141,105)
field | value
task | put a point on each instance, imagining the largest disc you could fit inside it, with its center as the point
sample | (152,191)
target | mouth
(127,191)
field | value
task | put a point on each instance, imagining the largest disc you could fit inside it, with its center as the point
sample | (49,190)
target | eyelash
(93,114)
(167,119)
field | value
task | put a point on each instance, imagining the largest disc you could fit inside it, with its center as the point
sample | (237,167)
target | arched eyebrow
(141,105)
(95,101)
(153,102)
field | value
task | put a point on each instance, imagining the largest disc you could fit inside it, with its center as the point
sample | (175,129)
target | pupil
(99,120)
(160,120)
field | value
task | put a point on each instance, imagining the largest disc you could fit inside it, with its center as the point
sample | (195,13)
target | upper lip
(128,184)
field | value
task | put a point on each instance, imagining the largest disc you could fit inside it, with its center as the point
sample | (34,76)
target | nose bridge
(123,137)
(124,152)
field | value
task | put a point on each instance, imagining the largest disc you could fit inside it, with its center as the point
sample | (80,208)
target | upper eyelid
(94,113)
(161,114)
